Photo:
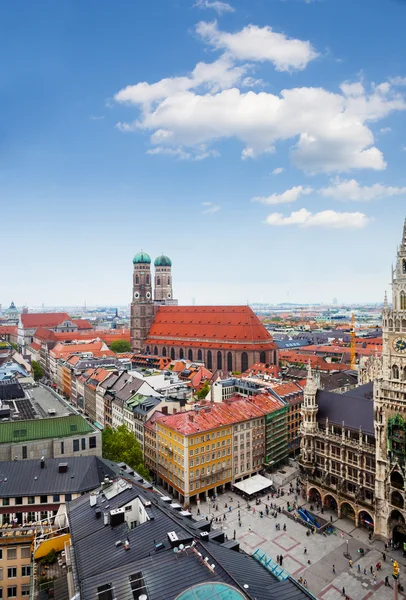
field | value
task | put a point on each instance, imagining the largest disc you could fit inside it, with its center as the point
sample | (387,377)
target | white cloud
(325,219)
(385,129)
(195,154)
(351,189)
(278,171)
(220,74)
(217,5)
(95,118)
(400,81)
(330,131)
(210,208)
(286,197)
(259,44)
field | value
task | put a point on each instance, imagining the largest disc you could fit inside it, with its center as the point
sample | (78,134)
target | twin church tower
(145,300)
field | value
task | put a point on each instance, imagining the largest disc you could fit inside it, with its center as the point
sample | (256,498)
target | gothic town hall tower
(390,409)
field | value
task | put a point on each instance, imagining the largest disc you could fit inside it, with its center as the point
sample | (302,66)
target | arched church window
(181,354)
(244,362)
(190,355)
(173,353)
(137,279)
(390,323)
(156,351)
(262,357)
(169,281)
(404,266)
(229,362)
(199,355)
(147,279)
(164,351)
(395,372)
(147,349)
(209,360)
(219,360)
(158,281)
(402,301)
(404,374)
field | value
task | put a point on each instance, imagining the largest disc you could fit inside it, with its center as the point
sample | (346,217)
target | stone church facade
(225,338)
(353,453)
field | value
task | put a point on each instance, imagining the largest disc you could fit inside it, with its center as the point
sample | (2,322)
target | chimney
(191,417)
(42,462)
(164,410)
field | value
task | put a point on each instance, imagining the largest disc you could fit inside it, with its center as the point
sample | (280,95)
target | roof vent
(118,543)
(98,513)
(63,467)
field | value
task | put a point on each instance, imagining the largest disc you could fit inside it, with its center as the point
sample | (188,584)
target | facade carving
(362,475)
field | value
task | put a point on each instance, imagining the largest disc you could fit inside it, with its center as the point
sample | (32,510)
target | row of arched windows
(398,373)
(210,363)
(137,279)
(158,281)
(218,363)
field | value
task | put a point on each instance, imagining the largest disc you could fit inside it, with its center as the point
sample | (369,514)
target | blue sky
(260,144)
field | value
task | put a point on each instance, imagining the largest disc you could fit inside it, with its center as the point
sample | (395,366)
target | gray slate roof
(166,574)
(26,478)
(355,408)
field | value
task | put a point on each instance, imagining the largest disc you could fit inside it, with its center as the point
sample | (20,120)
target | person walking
(371,569)
(343,591)
(281,560)
(359,568)
(331,518)
(350,563)
(384,557)
(365,571)
(305,550)
(334,569)
(235,533)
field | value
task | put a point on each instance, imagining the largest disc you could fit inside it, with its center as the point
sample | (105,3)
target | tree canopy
(37,370)
(204,390)
(121,445)
(119,346)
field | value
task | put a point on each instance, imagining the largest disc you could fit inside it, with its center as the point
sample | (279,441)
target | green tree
(119,346)
(204,390)
(37,370)
(121,445)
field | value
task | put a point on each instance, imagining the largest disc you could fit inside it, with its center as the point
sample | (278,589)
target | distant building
(225,338)
(59,322)
(11,314)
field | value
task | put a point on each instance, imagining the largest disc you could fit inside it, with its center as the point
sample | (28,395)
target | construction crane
(353,351)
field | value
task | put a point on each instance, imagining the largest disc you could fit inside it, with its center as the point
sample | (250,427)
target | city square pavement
(309,557)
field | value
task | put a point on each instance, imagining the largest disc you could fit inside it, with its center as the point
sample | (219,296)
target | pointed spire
(404,233)
(309,369)
(385,301)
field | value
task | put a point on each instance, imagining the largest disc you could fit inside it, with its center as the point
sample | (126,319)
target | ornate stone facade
(370,368)
(362,474)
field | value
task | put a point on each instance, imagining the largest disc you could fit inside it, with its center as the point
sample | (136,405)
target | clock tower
(390,409)
(142,305)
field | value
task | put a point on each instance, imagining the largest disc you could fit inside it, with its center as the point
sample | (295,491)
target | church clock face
(399,344)
(136,295)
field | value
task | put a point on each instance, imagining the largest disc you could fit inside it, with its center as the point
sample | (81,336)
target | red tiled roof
(211,416)
(208,326)
(263,369)
(83,323)
(65,350)
(8,329)
(35,346)
(316,362)
(107,336)
(33,320)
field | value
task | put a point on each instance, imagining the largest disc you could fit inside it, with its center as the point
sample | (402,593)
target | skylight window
(105,592)
(138,586)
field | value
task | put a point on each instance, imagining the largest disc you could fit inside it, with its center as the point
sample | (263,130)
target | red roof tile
(35,346)
(34,320)
(205,326)
(8,330)
(83,323)
(212,416)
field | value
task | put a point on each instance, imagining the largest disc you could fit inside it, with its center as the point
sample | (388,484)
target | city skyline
(260,145)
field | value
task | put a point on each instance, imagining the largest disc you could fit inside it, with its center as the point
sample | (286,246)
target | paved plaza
(322,552)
